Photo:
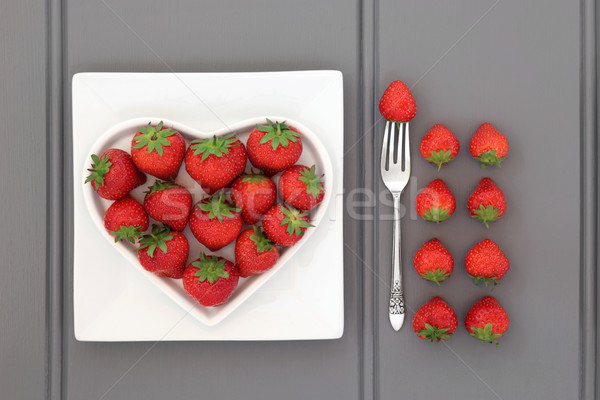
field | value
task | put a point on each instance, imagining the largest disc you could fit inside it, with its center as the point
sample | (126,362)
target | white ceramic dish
(119,136)
(111,300)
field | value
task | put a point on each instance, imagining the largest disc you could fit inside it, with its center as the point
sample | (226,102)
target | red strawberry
(254,253)
(433,262)
(397,103)
(274,147)
(169,203)
(439,146)
(486,261)
(164,252)
(435,320)
(486,320)
(126,219)
(435,203)
(487,202)
(285,225)
(158,151)
(488,145)
(114,175)
(215,162)
(215,222)
(254,194)
(210,280)
(301,187)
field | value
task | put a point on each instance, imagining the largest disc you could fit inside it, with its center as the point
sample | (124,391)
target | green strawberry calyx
(153,137)
(217,207)
(100,167)
(260,240)
(486,280)
(131,233)
(440,158)
(278,134)
(485,334)
(436,214)
(217,146)
(159,186)
(312,181)
(254,177)
(293,219)
(489,158)
(159,237)
(434,334)
(210,268)
(437,276)
(486,214)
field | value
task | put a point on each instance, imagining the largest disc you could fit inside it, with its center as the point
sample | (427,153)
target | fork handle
(397,308)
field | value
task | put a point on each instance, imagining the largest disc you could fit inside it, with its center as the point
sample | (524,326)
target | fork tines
(395,146)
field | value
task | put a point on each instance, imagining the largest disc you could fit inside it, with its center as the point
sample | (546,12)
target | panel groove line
(55,189)
(369,322)
(589,189)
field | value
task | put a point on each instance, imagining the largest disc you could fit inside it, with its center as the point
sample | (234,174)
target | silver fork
(395,175)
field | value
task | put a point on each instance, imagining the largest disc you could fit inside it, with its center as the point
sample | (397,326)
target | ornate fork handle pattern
(397,299)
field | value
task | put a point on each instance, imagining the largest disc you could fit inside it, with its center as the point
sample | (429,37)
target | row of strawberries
(216,220)
(436,320)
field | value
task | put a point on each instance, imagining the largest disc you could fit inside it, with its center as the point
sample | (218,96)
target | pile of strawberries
(485,261)
(238,207)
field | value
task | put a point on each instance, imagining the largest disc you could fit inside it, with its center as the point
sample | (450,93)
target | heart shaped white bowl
(120,137)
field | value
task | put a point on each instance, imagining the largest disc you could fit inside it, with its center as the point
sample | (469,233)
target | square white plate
(304,300)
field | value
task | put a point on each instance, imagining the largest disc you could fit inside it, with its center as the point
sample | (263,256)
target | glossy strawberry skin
(212,233)
(436,202)
(121,178)
(249,260)
(438,314)
(125,212)
(270,161)
(170,264)
(211,294)
(397,103)
(488,146)
(433,262)
(485,260)
(165,167)
(487,311)
(276,231)
(215,173)
(294,191)
(439,146)
(487,203)
(170,206)
(254,195)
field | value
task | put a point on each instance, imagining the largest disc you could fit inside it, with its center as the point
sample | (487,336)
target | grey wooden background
(528,67)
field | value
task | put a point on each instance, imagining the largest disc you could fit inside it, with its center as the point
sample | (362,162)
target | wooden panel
(220,36)
(515,64)
(23,196)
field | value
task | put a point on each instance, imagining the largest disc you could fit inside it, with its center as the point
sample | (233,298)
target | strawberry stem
(210,268)
(100,167)
(153,137)
(278,134)
(489,158)
(260,240)
(217,146)
(436,214)
(217,207)
(130,233)
(434,334)
(312,181)
(158,238)
(486,334)
(486,214)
